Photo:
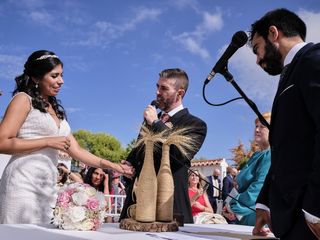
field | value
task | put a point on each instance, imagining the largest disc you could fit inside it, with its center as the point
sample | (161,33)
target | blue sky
(113,51)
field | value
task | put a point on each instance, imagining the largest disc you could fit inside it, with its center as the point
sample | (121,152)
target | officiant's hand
(263,218)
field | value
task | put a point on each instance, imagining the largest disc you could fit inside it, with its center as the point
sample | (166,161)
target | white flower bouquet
(79,207)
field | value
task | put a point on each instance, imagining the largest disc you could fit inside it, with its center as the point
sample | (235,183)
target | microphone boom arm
(228,76)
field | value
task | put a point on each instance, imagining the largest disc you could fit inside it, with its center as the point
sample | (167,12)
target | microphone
(238,40)
(155,103)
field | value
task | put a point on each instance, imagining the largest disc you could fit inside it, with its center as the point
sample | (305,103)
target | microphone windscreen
(239,39)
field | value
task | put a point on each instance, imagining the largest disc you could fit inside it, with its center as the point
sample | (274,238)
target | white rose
(102,215)
(90,191)
(67,224)
(77,213)
(86,225)
(57,213)
(80,198)
(102,200)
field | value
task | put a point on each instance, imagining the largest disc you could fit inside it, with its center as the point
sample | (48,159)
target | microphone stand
(228,76)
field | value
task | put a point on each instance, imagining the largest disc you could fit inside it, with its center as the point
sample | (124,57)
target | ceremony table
(110,231)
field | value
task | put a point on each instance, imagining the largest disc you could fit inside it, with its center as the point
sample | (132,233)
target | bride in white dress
(33,130)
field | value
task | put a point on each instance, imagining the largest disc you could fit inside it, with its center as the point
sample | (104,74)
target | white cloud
(104,32)
(257,84)
(41,17)
(211,23)
(312,21)
(146,14)
(76,63)
(10,66)
(193,46)
(49,14)
(30,4)
(192,41)
(180,4)
(73,110)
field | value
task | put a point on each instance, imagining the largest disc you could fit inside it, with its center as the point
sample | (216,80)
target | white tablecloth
(112,231)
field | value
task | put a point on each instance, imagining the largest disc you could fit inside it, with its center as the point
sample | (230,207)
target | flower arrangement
(79,207)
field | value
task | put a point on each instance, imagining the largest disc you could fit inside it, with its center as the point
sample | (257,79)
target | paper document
(233,193)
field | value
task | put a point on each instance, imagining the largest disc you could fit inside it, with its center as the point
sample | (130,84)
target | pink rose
(96,224)
(63,199)
(71,191)
(93,204)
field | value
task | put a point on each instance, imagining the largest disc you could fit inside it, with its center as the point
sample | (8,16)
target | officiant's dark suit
(293,181)
(179,163)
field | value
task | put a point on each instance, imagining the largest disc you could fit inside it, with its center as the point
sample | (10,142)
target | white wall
(208,170)
(3,162)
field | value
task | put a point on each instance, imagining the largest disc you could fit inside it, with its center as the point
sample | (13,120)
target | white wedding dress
(28,184)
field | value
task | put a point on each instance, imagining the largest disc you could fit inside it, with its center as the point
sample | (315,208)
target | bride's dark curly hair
(36,67)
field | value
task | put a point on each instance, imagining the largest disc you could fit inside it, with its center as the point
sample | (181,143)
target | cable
(219,104)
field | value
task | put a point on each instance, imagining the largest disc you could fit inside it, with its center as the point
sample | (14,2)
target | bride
(33,130)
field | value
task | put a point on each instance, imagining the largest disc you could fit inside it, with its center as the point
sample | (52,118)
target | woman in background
(198,197)
(202,211)
(98,178)
(251,177)
(66,176)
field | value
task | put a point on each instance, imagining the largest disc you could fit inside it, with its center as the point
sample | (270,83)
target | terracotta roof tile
(199,163)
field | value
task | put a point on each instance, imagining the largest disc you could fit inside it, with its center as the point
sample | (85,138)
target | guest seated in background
(251,178)
(202,211)
(98,178)
(115,201)
(198,197)
(116,186)
(66,176)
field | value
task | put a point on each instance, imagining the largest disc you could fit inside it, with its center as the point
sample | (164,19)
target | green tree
(101,144)
(130,146)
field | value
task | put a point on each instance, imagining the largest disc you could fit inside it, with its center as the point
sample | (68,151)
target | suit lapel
(284,83)
(179,116)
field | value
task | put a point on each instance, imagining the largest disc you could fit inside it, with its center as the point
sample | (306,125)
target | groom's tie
(164,117)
